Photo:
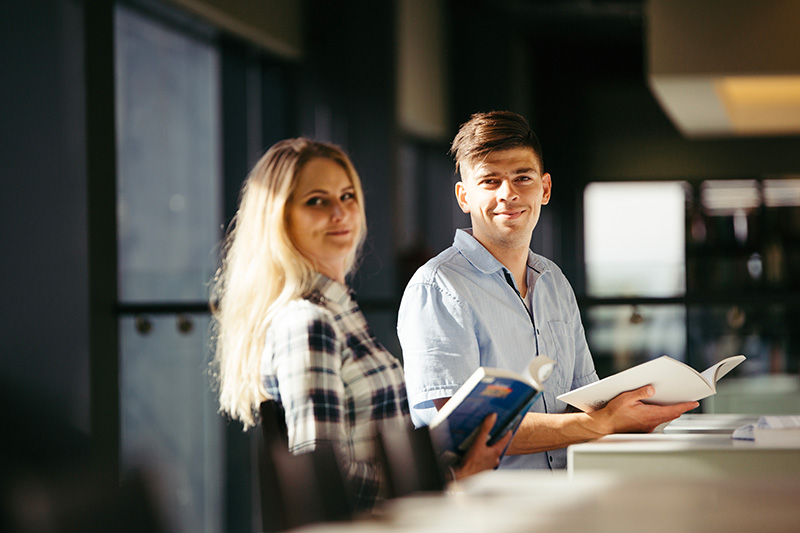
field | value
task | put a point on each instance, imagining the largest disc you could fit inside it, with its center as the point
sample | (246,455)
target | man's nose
(506,191)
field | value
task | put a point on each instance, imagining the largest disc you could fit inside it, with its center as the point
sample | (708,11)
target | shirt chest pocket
(560,345)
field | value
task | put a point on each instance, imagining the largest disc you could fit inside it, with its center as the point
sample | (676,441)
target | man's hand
(480,456)
(628,414)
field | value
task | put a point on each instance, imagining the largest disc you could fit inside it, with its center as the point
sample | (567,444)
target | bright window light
(782,192)
(634,236)
(728,197)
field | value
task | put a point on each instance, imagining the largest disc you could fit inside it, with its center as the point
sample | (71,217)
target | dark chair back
(297,489)
(273,423)
(410,462)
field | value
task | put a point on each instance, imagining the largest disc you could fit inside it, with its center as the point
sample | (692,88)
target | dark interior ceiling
(618,19)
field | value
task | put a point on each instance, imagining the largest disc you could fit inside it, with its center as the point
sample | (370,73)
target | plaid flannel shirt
(334,380)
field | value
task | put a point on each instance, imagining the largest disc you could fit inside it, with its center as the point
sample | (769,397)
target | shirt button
(551,458)
(537,331)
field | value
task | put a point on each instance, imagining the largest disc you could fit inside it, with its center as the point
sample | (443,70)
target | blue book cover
(487,391)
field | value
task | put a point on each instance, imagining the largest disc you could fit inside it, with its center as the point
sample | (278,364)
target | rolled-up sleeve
(440,347)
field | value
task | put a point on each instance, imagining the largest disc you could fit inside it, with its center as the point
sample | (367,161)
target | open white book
(674,382)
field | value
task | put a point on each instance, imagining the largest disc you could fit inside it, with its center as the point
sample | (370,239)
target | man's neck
(516,261)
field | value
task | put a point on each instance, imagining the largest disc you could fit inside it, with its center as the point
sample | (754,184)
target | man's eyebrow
(487,174)
(516,172)
(525,170)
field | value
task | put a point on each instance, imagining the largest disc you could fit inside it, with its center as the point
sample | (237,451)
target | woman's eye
(348,196)
(313,202)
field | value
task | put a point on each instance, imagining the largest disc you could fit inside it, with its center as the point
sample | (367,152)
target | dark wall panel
(44,272)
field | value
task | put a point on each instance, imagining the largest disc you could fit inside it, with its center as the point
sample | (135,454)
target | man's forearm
(542,432)
(624,414)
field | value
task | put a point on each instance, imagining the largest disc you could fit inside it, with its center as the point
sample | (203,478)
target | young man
(488,300)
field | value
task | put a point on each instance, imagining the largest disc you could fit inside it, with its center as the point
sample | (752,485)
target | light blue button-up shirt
(462,310)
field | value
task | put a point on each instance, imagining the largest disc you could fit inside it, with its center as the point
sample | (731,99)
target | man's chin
(512,236)
(513,227)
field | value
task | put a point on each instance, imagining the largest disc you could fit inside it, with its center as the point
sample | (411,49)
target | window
(697,271)
(635,250)
(635,239)
(743,256)
(621,336)
(169,184)
(169,217)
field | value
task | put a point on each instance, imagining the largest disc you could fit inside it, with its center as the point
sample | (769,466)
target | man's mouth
(509,214)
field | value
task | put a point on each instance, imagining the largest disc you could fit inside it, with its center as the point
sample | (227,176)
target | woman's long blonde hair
(262,270)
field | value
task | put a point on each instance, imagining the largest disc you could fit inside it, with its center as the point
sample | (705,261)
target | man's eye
(524,178)
(489,182)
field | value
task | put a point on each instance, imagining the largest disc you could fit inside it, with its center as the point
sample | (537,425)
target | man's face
(503,195)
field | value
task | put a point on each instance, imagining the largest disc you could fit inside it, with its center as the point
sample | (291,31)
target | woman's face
(324,217)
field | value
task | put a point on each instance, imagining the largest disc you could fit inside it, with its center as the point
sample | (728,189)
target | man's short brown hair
(489,132)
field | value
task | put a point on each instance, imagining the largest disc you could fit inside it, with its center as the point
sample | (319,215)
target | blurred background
(671,130)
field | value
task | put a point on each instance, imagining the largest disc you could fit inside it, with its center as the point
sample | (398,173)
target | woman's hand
(481,457)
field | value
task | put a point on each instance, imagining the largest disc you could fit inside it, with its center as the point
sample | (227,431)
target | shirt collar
(484,261)
(324,289)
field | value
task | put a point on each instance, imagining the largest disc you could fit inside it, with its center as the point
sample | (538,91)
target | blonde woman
(286,325)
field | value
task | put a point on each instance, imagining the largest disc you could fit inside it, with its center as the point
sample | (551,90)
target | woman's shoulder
(300,326)
(301,312)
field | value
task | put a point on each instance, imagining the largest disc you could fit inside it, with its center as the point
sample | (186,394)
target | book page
(715,372)
(674,382)
(539,370)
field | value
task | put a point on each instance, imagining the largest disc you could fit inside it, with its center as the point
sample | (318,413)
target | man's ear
(461,197)
(547,188)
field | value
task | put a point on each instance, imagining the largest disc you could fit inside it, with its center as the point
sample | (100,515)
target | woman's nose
(337,210)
